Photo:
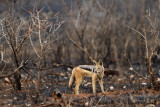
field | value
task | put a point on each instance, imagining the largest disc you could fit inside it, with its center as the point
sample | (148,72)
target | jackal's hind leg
(78,83)
(71,80)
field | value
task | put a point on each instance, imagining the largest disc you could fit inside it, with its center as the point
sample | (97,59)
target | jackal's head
(99,66)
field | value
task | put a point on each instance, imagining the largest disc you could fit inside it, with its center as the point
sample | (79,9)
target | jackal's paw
(95,94)
(103,93)
(76,92)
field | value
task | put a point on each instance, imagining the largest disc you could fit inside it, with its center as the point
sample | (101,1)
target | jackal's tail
(111,72)
(72,78)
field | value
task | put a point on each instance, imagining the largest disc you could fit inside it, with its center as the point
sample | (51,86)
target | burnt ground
(127,89)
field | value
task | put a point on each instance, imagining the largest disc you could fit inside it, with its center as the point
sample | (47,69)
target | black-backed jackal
(96,72)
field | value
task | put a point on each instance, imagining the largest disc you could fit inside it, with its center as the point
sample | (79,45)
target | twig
(3,67)
(21,43)
(157,55)
(39,30)
(32,44)
(99,100)
(100,6)
(136,31)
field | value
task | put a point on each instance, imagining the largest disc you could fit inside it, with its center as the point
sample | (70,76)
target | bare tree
(11,28)
(41,30)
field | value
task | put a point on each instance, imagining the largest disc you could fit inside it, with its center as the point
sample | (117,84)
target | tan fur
(78,74)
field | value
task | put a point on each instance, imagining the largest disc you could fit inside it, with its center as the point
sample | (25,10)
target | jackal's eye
(98,69)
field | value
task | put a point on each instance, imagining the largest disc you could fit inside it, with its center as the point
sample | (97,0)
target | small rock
(24,76)
(87,104)
(134,82)
(62,74)
(34,81)
(15,98)
(131,68)
(111,88)
(124,87)
(132,76)
(7,80)
(89,83)
(42,80)
(27,104)
(158,79)
(150,105)
(120,79)
(69,69)
(42,103)
(65,77)
(144,83)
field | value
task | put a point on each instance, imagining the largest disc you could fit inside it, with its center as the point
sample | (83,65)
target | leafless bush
(27,39)
(12,43)
(150,32)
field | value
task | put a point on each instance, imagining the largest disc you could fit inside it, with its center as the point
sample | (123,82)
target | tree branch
(85,51)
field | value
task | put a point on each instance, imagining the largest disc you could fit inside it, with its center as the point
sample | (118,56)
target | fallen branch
(15,71)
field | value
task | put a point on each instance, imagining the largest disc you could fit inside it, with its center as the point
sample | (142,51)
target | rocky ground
(127,89)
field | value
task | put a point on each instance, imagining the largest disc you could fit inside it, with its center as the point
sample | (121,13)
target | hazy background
(105,28)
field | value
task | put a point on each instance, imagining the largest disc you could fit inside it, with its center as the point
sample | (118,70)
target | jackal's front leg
(94,83)
(101,85)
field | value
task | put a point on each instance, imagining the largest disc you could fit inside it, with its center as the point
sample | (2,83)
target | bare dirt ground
(127,89)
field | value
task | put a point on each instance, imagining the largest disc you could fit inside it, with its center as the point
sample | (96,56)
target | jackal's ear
(100,62)
(94,62)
